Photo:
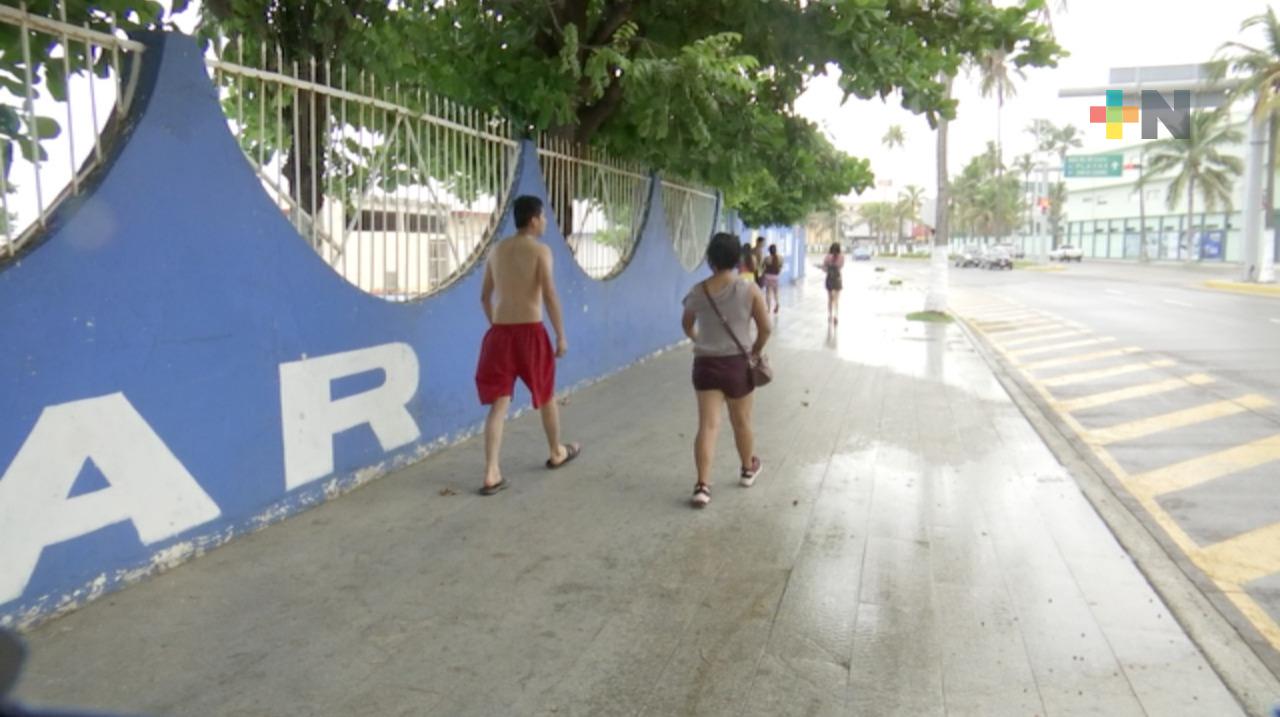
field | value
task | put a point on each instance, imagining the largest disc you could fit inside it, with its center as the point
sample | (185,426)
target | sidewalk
(911,548)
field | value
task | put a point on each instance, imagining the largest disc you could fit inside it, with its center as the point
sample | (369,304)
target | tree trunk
(936,297)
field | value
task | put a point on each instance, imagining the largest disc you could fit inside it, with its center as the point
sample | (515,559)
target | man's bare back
(521,274)
(516,267)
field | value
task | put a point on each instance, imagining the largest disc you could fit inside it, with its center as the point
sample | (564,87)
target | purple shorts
(730,375)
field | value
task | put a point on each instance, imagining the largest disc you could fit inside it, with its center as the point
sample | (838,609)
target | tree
(49,59)
(706,89)
(1199,162)
(1258,68)
(910,200)
(1057,210)
(1025,164)
(893,137)
(997,77)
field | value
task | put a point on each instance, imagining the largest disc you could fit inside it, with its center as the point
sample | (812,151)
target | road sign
(1094,165)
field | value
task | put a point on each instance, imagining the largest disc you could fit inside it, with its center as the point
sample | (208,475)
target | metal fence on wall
(397,190)
(54,115)
(599,202)
(691,217)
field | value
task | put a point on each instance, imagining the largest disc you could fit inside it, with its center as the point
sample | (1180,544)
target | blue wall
(149,338)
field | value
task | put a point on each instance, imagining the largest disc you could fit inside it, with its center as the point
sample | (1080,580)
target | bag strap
(725,323)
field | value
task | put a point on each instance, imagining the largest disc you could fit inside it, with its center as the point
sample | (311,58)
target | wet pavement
(1175,392)
(912,548)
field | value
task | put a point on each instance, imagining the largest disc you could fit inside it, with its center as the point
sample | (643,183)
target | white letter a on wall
(147,485)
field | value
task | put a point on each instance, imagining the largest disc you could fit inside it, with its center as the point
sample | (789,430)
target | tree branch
(591,118)
(614,18)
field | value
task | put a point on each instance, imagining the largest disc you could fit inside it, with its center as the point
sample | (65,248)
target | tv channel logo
(1155,109)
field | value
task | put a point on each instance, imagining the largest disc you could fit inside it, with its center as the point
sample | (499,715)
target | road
(1174,389)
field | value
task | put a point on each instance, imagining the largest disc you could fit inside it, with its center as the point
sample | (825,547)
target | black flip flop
(495,488)
(572,450)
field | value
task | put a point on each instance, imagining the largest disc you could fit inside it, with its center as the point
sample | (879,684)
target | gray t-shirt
(734,302)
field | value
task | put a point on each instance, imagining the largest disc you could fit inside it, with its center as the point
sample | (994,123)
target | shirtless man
(517,345)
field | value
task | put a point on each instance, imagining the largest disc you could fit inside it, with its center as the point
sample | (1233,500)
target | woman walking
(747,264)
(718,314)
(833,263)
(772,270)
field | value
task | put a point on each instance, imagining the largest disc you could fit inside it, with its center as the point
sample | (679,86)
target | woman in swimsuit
(772,269)
(833,263)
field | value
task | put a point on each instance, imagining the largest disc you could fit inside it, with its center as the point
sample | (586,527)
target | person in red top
(520,272)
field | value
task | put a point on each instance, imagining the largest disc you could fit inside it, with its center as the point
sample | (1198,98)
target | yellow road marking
(1017,320)
(1131,392)
(1045,337)
(1006,329)
(1080,358)
(1037,328)
(1059,347)
(1262,621)
(1245,558)
(1202,469)
(1177,419)
(1086,376)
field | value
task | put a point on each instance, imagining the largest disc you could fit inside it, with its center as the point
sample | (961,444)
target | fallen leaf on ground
(448,491)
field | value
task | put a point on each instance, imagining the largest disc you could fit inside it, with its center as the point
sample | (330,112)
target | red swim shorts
(511,351)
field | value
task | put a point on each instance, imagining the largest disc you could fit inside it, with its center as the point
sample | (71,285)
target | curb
(1240,287)
(1249,680)
(1045,268)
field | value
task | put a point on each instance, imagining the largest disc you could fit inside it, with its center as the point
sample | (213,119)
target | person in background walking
(718,314)
(772,270)
(833,264)
(757,253)
(747,264)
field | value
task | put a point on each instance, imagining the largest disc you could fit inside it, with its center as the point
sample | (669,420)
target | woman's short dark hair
(723,251)
(773,249)
(527,208)
(835,247)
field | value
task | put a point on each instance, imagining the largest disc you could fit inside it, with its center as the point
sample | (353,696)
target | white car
(1066,252)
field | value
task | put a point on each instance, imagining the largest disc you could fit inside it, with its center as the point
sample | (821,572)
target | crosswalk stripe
(1045,337)
(1203,469)
(1006,314)
(1059,347)
(1080,358)
(1099,374)
(1244,558)
(1038,327)
(1021,326)
(1131,392)
(1178,419)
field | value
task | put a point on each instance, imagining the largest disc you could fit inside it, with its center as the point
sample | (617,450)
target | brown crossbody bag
(758,369)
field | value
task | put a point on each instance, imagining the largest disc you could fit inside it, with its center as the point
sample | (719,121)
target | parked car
(967,258)
(861,253)
(1014,250)
(997,258)
(1066,252)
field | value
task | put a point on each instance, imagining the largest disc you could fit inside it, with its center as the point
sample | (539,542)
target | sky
(1099,34)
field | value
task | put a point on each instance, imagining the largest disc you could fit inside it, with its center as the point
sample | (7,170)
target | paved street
(912,548)
(1175,389)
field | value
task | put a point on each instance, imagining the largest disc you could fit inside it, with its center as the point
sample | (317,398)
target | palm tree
(1025,164)
(894,137)
(910,200)
(1259,71)
(1199,162)
(1063,140)
(993,67)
